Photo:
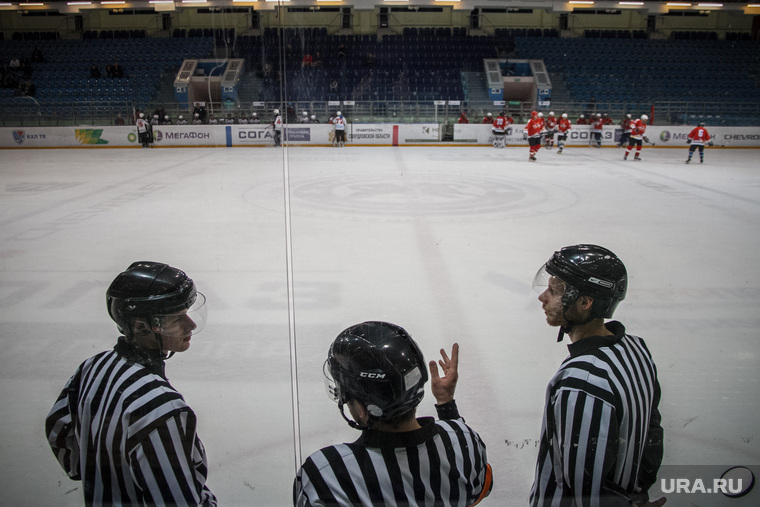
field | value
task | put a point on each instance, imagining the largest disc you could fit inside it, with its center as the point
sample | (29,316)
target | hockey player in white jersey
(340,129)
(144,132)
(277,126)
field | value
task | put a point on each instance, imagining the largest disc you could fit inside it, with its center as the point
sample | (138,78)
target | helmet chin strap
(355,425)
(563,330)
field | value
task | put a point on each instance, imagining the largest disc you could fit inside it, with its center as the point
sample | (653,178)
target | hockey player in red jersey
(551,129)
(597,124)
(582,120)
(499,129)
(487,119)
(532,133)
(563,128)
(638,127)
(697,139)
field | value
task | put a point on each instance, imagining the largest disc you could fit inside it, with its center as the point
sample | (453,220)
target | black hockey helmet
(152,291)
(379,365)
(588,270)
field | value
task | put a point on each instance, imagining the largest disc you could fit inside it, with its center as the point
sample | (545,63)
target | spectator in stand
(94,72)
(463,118)
(117,70)
(14,64)
(290,113)
(160,112)
(37,56)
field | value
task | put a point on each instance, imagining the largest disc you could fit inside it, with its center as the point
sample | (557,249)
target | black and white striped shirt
(601,439)
(442,463)
(128,435)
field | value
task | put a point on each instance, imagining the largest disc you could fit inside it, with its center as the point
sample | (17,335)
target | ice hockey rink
(443,241)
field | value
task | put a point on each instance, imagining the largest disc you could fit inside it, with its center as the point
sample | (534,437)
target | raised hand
(443,387)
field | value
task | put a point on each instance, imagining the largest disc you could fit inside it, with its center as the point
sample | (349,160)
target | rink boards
(357,134)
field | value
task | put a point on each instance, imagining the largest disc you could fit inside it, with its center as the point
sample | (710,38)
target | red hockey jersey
(699,136)
(638,127)
(499,124)
(534,127)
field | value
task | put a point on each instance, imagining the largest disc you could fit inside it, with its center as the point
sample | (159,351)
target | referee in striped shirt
(119,426)
(601,439)
(378,372)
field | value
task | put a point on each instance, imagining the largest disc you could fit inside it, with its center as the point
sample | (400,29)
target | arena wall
(358,134)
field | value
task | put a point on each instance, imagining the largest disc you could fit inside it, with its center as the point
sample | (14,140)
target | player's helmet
(489,114)
(533,114)
(564,115)
(152,291)
(587,270)
(276,111)
(180,117)
(628,115)
(142,115)
(196,115)
(338,113)
(540,115)
(551,113)
(598,115)
(166,117)
(379,365)
(155,116)
(305,113)
(254,115)
(701,124)
(644,117)
(582,116)
(314,117)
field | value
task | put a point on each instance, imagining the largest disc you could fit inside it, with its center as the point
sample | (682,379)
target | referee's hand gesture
(443,387)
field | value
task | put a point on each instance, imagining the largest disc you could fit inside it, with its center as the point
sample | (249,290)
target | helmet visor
(189,321)
(333,391)
(543,280)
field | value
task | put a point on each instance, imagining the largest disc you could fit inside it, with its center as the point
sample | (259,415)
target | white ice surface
(443,241)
